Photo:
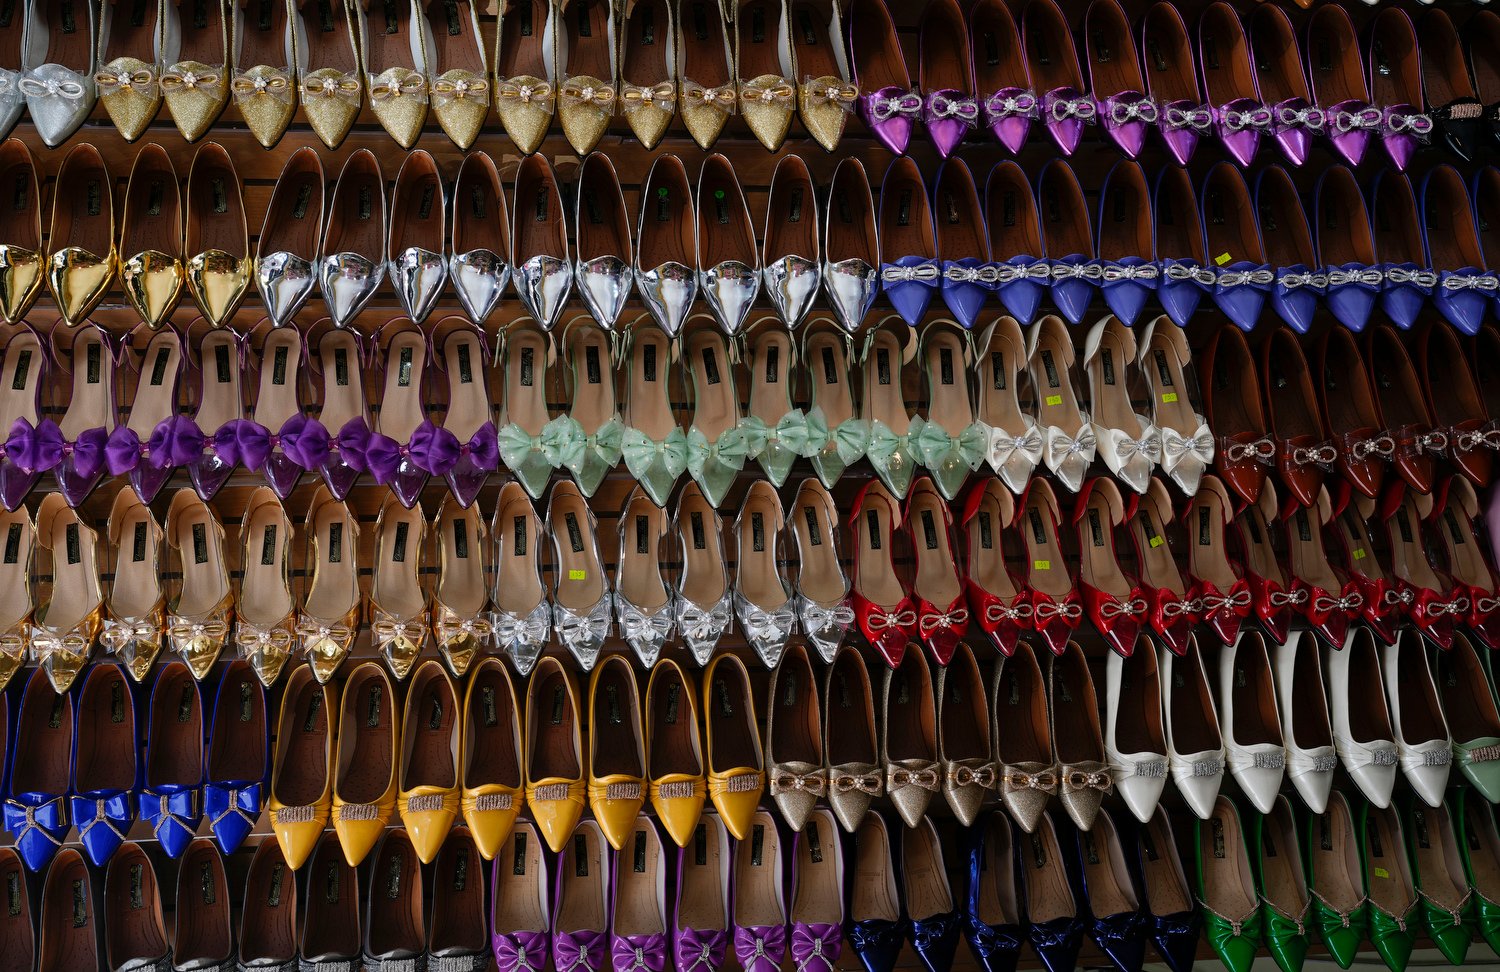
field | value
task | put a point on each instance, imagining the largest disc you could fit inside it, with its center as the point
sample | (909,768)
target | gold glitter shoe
(825,95)
(460,613)
(393,59)
(265,613)
(330,614)
(398,604)
(129,75)
(707,95)
(195,84)
(83,216)
(458,69)
(648,69)
(135,607)
(217,241)
(21,255)
(15,590)
(329,87)
(764,66)
(587,62)
(151,264)
(267,48)
(67,622)
(201,612)
(525,86)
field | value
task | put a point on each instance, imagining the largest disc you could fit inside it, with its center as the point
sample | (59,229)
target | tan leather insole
(795,717)
(1051,361)
(987,550)
(716,407)
(1445,73)
(1166,888)
(401,403)
(1253,698)
(1021,723)
(673,730)
(1233,377)
(1395,70)
(881,386)
(1190,713)
(647,407)
(757,899)
(15,567)
(936,577)
(134,929)
(1227,888)
(356,217)
(1138,727)
(947,382)
(367,740)
(875,49)
(69,910)
(215,207)
(1434,854)
(668,224)
(850,703)
(276,398)
(1043,873)
(1231,226)
(910,723)
(455,46)
(943,60)
(616,724)
(1333,58)
(521,51)
(812,44)
(293,221)
(873,556)
(1179,230)
(75,582)
(153,206)
(1110,891)
(638,910)
(732,722)
(851,232)
(395,899)
(1348,399)
(520,882)
(998,904)
(1359,545)
(1050,53)
(201,907)
(1125,216)
(1278,61)
(461,574)
(264,598)
(819,576)
(1224,56)
(429,737)
(772,356)
(646,44)
(703,51)
(44,741)
(1113,66)
(700,889)
(1334,857)
(491,732)
(1208,558)
(581,895)
(550,736)
(580,575)
(1168,57)
(268,920)
(828,367)
(481,219)
(819,894)
(603,226)
(417,204)
(1167,371)
(334,589)
(1408,555)
(70,42)
(1065,215)
(199,544)
(23,364)
(1282,881)
(174,750)
(1000,368)
(758,28)
(327,36)
(518,530)
(872,895)
(1109,392)
(154,397)
(458,920)
(238,730)
(220,398)
(1046,570)
(106,733)
(1283,222)
(397,589)
(593,390)
(1011,213)
(92,405)
(387,42)
(1386,874)
(584,35)
(1395,378)
(1255,546)
(1397,224)
(1306,557)
(301,766)
(905,215)
(1098,564)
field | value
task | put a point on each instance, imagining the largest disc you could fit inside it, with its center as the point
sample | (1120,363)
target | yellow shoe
(430,746)
(736,768)
(364,782)
(490,766)
(617,757)
(554,753)
(302,772)
(676,752)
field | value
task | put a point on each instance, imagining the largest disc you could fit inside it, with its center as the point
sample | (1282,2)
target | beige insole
(850,701)
(492,731)
(15,567)
(1162,876)
(757,876)
(872,895)
(593,397)
(1154,559)
(1051,360)
(92,405)
(700,888)
(758,572)
(264,599)
(716,406)
(815,524)
(772,356)
(220,398)
(1048,896)
(401,403)
(1306,557)
(1465,561)
(947,382)
(881,383)
(1168,382)
(1435,856)
(468,401)
(580,575)
(1227,888)
(1098,565)
(1109,392)
(987,548)
(873,556)
(398,557)
(343,380)
(520,882)
(581,882)
(334,589)
(429,738)
(526,380)
(828,368)
(758,29)
(1110,891)
(461,574)
(1046,570)
(1408,556)
(669,225)
(705,571)
(518,530)
(134,929)
(1282,877)
(1000,368)
(1208,558)
(276,398)
(1386,873)
(638,578)
(199,543)
(819,895)
(302,746)
(75,573)
(155,397)
(638,909)
(367,737)
(23,366)
(1333,858)
(647,407)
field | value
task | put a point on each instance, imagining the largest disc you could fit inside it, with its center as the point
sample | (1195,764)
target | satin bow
(176,441)
(39,448)
(706,948)
(520,950)
(1311,118)
(639,451)
(723,98)
(816,942)
(601,97)
(814,783)
(346,88)
(45,818)
(1200,118)
(934,445)
(273,84)
(761,948)
(926,274)
(51,88)
(1148,447)
(1119,111)
(390,89)
(633,952)
(662,96)
(908,105)
(1059,446)
(730,449)
(509,629)
(142,82)
(940,106)
(220,801)
(191,80)
(248,443)
(579,950)
(435,450)
(775,91)
(1003,447)
(1343,121)
(843,95)
(540,93)
(1176,446)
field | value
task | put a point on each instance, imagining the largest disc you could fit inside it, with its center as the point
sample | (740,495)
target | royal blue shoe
(1068,239)
(1126,244)
(968,275)
(1232,237)
(1346,248)
(1021,280)
(238,756)
(40,768)
(1465,288)
(1186,273)
(1484,190)
(1174,934)
(1400,254)
(991,924)
(876,935)
(1057,936)
(934,919)
(1107,889)
(170,799)
(909,271)
(106,771)
(1289,248)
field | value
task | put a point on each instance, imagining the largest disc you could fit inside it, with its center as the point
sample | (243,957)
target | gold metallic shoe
(364,769)
(764,67)
(525,86)
(1077,742)
(15,591)
(83,216)
(794,738)
(908,737)
(554,753)
(588,64)
(267,49)
(1021,737)
(196,84)
(490,788)
(460,615)
(707,92)
(265,632)
(963,718)
(825,95)
(330,87)
(151,264)
(130,53)
(302,767)
(135,611)
(21,256)
(458,69)
(394,59)
(617,755)
(850,748)
(648,69)
(398,604)
(731,731)
(674,750)
(201,613)
(67,622)
(330,613)
(217,240)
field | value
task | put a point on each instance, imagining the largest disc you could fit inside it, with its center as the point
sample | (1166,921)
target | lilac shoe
(1232,235)
(1010,213)
(1346,248)
(582,873)
(1299,284)
(1396,85)
(1126,111)
(1172,82)
(968,275)
(1186,274)
(1338,82)
(1240,117)
(887,102)
(945,74)
(1126,244)
(817,938)
(759,882)
(79,449)
(1075,272)
(637,936)
(1283,82)
(703,879)
(397,455)
(1400,254)
(1465,288)
(910,273)
(1000,74)
(1065,107)
(521,871)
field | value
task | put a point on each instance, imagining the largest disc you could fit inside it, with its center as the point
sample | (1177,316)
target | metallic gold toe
(83,215)
(21,256)
(587,104)
(152,281)
(331,100)
(129,91)
(825,105)
(649,110)
(196,94)
(767,102)
(461,102)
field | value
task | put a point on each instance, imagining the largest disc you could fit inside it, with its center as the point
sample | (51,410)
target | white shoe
(1141,773)
(1015,443)
(1195,747)
(1187,445)
(1422,741)
(1068,443)
(59,96)
(1468,701)
(1127,441)
(1362,734)
(1252,728)
(1305,725)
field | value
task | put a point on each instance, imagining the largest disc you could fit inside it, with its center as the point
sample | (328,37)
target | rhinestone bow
(1200,118)
(345,88)
(141,82)
(843,95)
(412,84)
(539,94)
(908,105)
(51,88)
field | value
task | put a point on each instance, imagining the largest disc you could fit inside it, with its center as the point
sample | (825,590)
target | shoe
(1172,84)
(617,752)
(302,773)
(129,55)
(727,259)
(758,894)
(39,771)
(1231,83)
(238,758)
(929,898)
(675,766)
(1235,408)
(638,893)
(219,411)
(707,92)
(1172,921)
(889,347)
(553,768)
(580,917)
(1116,921)
(1457,403)
(1362,732)
(791,248)
(700,911)
(286,253)
(1289,247)
(736,766)
(431,740)
(479,264)
(937,589)
(997,602)
(329,86)
(888,104)
(1282,83)
(1077,743)
(1396,72)
(796,756)
(216,243)
(1126,110)
(825,95)
(1306,725)
(351,262)
(1338,84)
(21,248)
(331,931)
(58,63)
(466,450)
(268,919)
(1069,444)
(1124,439)
(1394,914)
(1223,594)
(79,274)
(664,263)
(457,926)
(703,596)
(265,69)
(17,609)
(1054,920)
(1405,414)
(1280,878)
(1322,593)
(581,600)
(602,267)
(1452,105)
(458,71)
(170,798)
(1055,74)
(266,614)
(821,590)
(1441,885)
(1127,254)
(1022,738)
(1112,599)
(136,936)
(946,76)
(851,246)
(1423,744)
(330,613)
(524,349)
(396,62)
(1232,229)
(1461,291)
(1232,917)
(1478,30)
(403,449)
(1302,458)
(817,907)
(992,916)
(1475,820)
(66,625)
(911,271)
(827,352)
(69,936)
(776,432)
(522,895)
(766,69)
(1181,253)
(1015,443)
(1424,596)
(1472,577)
(104,771)
(1351,416)
(1251,721)
(522,621)
(965,756)
(490,784)
(1384,602)
(526,86)
(588,71)
(151,260)
(877,920)
(908,737)
(1067,237)
(1014,225)
(850,755)
(460,610)
(414,255)
(1400,249)
(365,761)
(1195,745)
(653,445)
(200,613)
(648,69)
(1134,737)
(588,439)
(398,609)
(395,927)
(1056,601)
(949,440)
(883,610)
(74,449)
(203,936)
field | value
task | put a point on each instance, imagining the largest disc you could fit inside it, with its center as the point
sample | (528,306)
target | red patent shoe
(1270,600)
(1056,607)
(1385,604)
(1319,593)
(942,611)
(1112,602)
(1170,609)
(1455,508)
(997,604)
(1222,596)
(1431,604)
(882,609)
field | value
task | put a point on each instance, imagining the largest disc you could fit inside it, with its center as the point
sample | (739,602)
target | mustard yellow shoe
(617,756)
(675,751)
(430,750)
(364,781)
(490,789)
(736,765)
(554,753)
(302,771)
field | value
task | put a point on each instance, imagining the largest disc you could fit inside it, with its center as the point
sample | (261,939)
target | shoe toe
(1428,783)
(358,837)
(1199,792)
(1259,782)
(1142,793)
(555,818)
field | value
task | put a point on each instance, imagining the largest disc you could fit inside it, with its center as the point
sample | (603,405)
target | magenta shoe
(1240,117)
(1126,111)
(639,890)
(1283,82)
(1338,82)
(1000,75)
(1065,107)
(583,870)
(1182,117)
(760,898)
(817,938)
(945,75)
(1396,85)
(887,103)
(703,879)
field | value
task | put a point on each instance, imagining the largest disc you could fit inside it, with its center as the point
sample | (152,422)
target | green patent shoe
(717,445)
(837,435)
(949,441)
(1395,914)
(1232,918)
(525,354)
(777,433)
(887,349)
(1442,886)
(1334,880)
(586,441)
(1285,905)
(652,444)
(1480,849)
(1466,690)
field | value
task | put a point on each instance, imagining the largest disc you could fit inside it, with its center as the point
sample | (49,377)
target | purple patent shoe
(1014,227)
(1396,85)
(703,882)
(638,924)
(468,450)
(760,898)
(74,447)
(1172,82)
(278,441)
(1338,82)
(1066,108)
(1283,82)
(402,442)
(817,938)
(945,76)
(1240,117)
(1126,110)
(887,102)
(1001,77)
(153,440)
(582,881)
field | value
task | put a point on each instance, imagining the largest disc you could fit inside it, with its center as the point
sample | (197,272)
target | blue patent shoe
(1299,286)
(992,924)
(1233,241)
(1187,274)
(1346,248)
(106,771)
(1400,251)
(876,935)
(1465,287)
(1126,242)
(37,776)
(934,918)
(1056,939)
(910,273)
(170,799)
(1157,865)
(1015,228)
(1068,239)
(238,756)
(1106,884)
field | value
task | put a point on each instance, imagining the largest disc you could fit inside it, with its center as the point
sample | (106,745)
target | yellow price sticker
(1054,399)
(1359,554)
(1221,259)
(1169,397)
(1157,541)
(1041,564)
(578,574)
(1381,872)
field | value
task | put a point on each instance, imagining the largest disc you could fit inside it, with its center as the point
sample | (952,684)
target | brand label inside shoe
(487,704)
(757,844)
(1038,532)
(200,544)
(159,368)
(1216,208)
(461,869)
(1377,849)
(997,369)
(585,26)
(1153,539)
(1050,367)
(273,896)
(460,539)
(758,532)
(335,543)
(642,534)
(841,201)
(558,698)
(13,544)
(55,716)
(1325,832)
(700,21)
(945,365)
(648,362)
(398,549)
(580,856)
(721,692)
(455,26)
(1205,534)
(1454,530)
(638,864)
(814,531)
(403,372)
(185,703)
(523,12)
(710,366)
(22,376)
(903,695)
(331,880)
(221,364)
(80,903)
(72,543)
(372,706)
(648,27)
(424,206)
(208,888)
(518,529)
(247,701)
(479,204)
(663,204)
(435,717)
(1096,529)
(773,365)
(1090,851)
(673,691)
(1216,826)
(1304,527)
(518,859)
(1038,852)
(92,367)
(314,706)
(721,207)
(268,546)
(116,702)
(872,523)
(929,530)
(788,689)
(543,207)
(154,199)
(220,197)
(986,531)
(903,208)
(883,366)
(137,887)
(696,519)
(1268,219)
(278,366)
(575,536)
(393,870)
(1419,822)
(612,704)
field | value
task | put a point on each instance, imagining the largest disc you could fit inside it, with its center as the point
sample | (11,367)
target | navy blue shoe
(106,771)
(171,799)
(1107,889)
(1021,279)
(1400,253)
(1346,248)
(1068,239)
(1465,288)
(929,899)
(40,769)
(1299,284)
(1232,238)
(1181,253)
(238,756)
(1055,926)
(992,924)
(1126,244)
(876,922)
(1172,921)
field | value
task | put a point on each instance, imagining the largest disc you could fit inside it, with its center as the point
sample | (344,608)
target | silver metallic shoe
(352,263)
(602,269)
(480,264)
(522,620)
(822,594)
(791,251)
(11,99)
(851,246)
(59,96)
(663,259)
(581,599)
(545,278)
(418,227)
(287,248)
(639,581)
(704,604)
(762,600)
(728,262)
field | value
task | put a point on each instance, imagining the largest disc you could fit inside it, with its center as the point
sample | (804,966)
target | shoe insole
(1465,561)
(491,732)
(1255,546)
(999,370)
(704,49)
(1190,712)
(264,599)
(1049,49)
(998,903)
(757,876)
(201,908)
(724,229)
(134,927)
(1227,886)
(948,402)
(872,895)
(199,538)
(1208,556)
(415,220)
(343,380)
(910,723)
(1011,213)
(851,232)
(1075,712)
(1483,841)
(550,733)
(1450,233)
(219,399)
(905,215)
(1281,871)
(329,44)
(638,909)
(521,52)
(732,722)
(936,579)
(758,34)
(1113,66)
(1408,553)
(92,402)
(964,717)
(593,388)
(1154,560)
(518,530)
(15,568)
(585,37)
(237,741)
(580,575)
(944,58)
(153,208)
(277,398)
(1165,366)
(430,735)
(1179,230)
(1125,211)
(367,738)
(603,228)
(69,910)
(1252,698)
(647,408)
(883,398)
(615,724)
(668,224)
(1224,56)
(481,217)
(23,365)
(1229,220)
(1138,727)
(1369,719)
(1401,399)
(648,42)
(1306,556)
(1420,715)
(1333,60)
(388,39)
(1309,703)
(581,896)
(758,570)
(542,231)
(460,584)
(819,893)
(262,35)
(874,558)
(1434,855)
(1468,702)
(1343,222)
(700,535)
(1445,71)
(1162,877)
(334,589)
(1109,376)
(1386,873)
(672,726)
(1484,34)
(401,403)
(1398,226)
(850,702)
(1284,228)
(875,47)
(330,925)
(1237,406)
(813,44)
(268,917)
(397,590)
(792,211)
(75,573)
(1348,399)
(638,579)
(1021,722)
(1169,60)
(521,882)
(106,733)
(301,775)
(458,921)
(1051,362)
(828,367)
(396,926)
(820,577)
(215,215)
(174,748)
(1334,856)
(700,885)
(1111,891)
(796,719)
(70,42)
(1065,215)
(86,220)
(1044,877)
(772,356)
(1359,546)
(455,40)
(356,217)
(1278,61)
(1098,565)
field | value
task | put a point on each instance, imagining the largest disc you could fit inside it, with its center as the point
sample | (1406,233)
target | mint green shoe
(888,348)
(950,442)
(1480,848)
(1466,690)
(652,443)
(836,435)
(588,457)
(525,353)
(776,431)
(655,465)
(586,441)
(1395,912)
(1232,919)
(717,444)
(1334,880)
(1281,880)
(1442,886)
